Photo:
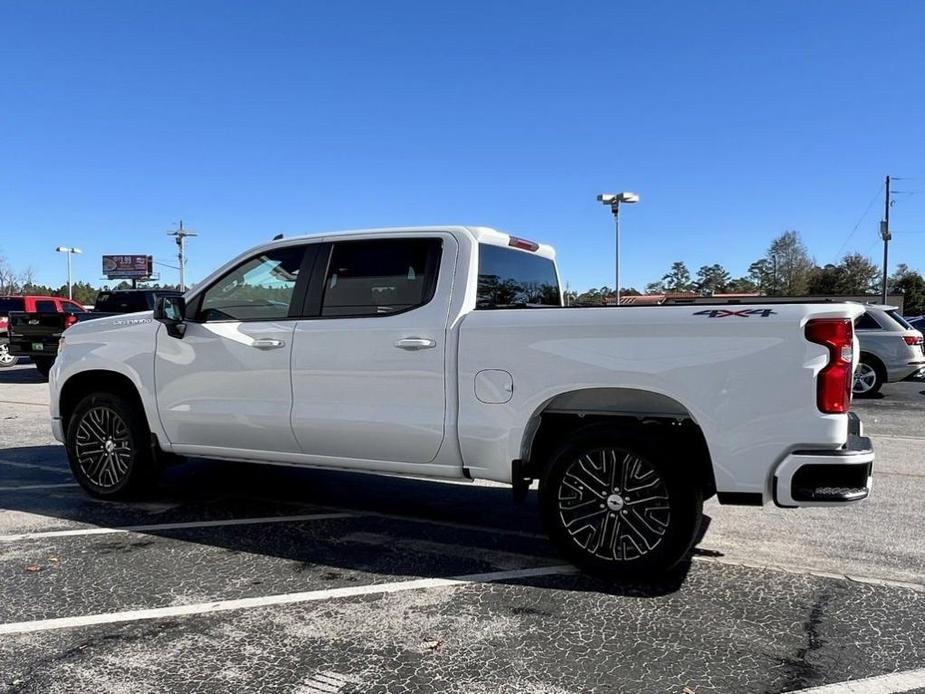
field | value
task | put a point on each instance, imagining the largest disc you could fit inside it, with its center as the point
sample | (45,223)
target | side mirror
(171,311)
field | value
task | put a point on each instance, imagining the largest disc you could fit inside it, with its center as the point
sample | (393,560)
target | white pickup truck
(446,352)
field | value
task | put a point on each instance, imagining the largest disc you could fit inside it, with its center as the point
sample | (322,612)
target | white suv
(891,349)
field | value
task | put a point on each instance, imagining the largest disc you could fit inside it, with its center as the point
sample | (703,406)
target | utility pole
(181,234)
(886,236)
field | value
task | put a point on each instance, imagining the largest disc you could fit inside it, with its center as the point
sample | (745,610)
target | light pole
(613,200)
(181,235)
(69,252)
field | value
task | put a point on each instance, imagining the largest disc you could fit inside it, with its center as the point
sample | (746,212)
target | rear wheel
(7,359)
(868,378)
(43,364)
(107,446)
(617,507)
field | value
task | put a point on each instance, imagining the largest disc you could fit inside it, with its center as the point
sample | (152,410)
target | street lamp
(613,200)
(70,252)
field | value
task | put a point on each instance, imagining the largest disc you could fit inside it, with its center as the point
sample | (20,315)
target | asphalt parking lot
(237,578)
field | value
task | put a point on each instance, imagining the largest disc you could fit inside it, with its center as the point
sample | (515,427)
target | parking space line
(22,487)
(33,466)
(21,402)
(883,684)
(280,599)
(154,527)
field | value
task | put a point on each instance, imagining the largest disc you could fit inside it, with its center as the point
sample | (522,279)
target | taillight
(912,340)
(69,320)
(833,384)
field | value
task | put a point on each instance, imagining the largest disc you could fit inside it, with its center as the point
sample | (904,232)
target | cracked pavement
(723,623)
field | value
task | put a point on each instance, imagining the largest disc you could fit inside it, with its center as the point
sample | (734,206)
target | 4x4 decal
(743,313)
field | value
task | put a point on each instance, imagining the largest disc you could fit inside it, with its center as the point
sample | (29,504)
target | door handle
(267,343)
(412,343)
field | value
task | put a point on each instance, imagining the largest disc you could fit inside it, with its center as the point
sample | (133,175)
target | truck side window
(45,307)
(380,276)
(68,307)
(259,289)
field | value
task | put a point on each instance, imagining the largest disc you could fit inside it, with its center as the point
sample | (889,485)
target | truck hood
(110,323)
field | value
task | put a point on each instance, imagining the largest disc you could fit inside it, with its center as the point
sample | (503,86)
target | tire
(640,524)
(108,446)
(6,359)
(43,365)
(869,377)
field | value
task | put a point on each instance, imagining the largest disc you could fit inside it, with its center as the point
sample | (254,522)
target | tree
(858,275)
(912,285)
(712,279)
(791,266)
(678,278)
(742,285)
(655,288)
(854,275)
(760,274)
(824,280)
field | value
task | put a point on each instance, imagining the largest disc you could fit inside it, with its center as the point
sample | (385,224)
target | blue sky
(733,120)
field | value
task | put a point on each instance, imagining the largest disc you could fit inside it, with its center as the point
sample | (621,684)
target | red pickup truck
(30,303)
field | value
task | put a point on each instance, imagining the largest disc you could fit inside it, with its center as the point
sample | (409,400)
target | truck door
(226,384)
(368,373)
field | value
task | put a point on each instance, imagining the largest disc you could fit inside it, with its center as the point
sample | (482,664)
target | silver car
(891,349)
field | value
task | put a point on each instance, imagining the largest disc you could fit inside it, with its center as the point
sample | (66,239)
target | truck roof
(479,234)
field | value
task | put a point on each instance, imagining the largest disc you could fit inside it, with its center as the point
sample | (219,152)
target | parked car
(28,302)
(891,349)
(35,332)
(446,352)
(918,323)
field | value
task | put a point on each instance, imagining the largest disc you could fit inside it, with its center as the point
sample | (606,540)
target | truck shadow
(401,526)
(21,373)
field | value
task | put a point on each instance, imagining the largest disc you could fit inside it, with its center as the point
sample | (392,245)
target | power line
(863,216)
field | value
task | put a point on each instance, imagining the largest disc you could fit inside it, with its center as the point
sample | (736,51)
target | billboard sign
(127,267)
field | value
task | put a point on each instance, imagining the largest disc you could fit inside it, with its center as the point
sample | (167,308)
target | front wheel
(7,359)
(616,507)
(107,446)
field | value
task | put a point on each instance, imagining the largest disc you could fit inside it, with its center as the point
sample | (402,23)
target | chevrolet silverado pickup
(446,352)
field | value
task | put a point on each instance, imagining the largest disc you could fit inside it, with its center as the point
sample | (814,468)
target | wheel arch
(641,412)
(82,384)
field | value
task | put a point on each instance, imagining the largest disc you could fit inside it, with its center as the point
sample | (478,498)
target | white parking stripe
(33,466)
(154,527)
(38,486)
(272,600)
(883,684)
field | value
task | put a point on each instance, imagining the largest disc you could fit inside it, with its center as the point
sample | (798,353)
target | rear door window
(46,306)
(511,278)
(380,276)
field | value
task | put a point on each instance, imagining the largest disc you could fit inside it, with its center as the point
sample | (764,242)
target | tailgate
(35,333)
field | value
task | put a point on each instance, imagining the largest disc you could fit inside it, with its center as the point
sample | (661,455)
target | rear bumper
(901,373)
(24,347)
(827,477)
